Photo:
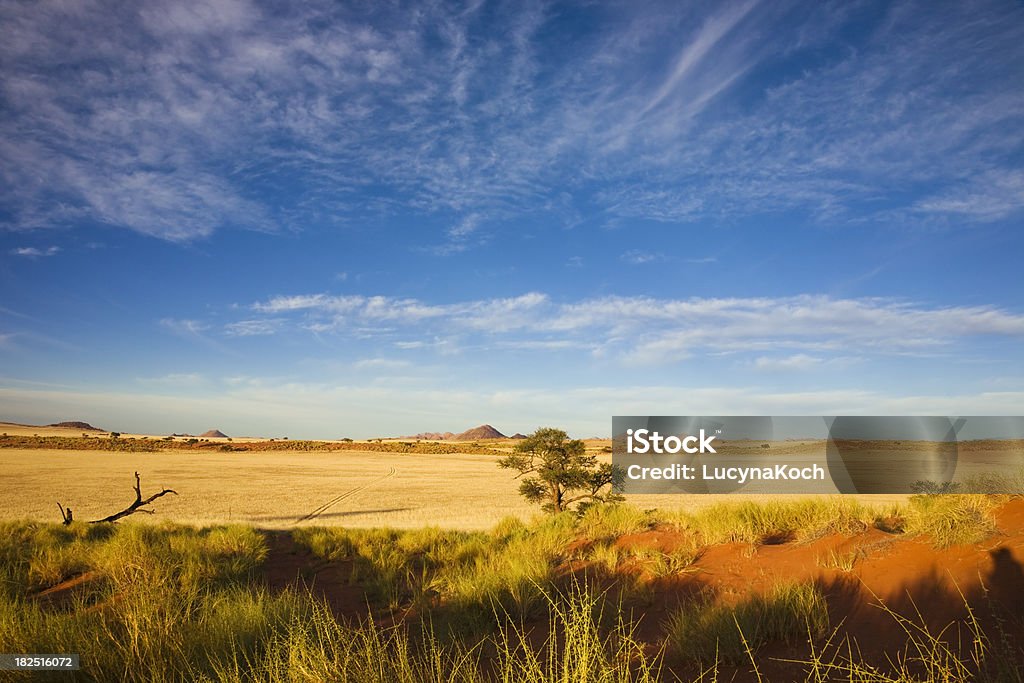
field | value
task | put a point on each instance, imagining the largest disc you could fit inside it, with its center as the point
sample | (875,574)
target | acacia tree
(559,471)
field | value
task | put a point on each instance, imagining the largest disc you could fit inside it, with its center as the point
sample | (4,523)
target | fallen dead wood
(137,506)
(66,514)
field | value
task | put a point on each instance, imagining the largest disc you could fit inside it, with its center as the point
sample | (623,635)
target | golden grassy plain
(281,489)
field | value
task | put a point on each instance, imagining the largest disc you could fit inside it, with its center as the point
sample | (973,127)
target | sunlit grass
(951,519)
(174,603)
(750,522)
(710,632)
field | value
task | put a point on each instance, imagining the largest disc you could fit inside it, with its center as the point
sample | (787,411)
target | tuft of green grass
(750,522)
(709,632)
(606,556)
(660,563)
(577,648)
(612,521)
(951,519)
(586,641)
(997,483)
(844,562)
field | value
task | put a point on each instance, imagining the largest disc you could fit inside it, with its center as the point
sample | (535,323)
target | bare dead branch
(137,505)
(66,514)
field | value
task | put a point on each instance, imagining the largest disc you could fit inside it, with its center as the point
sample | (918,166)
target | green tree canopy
(558,472)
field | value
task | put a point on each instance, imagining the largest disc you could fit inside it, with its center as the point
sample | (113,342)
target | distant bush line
(136,445)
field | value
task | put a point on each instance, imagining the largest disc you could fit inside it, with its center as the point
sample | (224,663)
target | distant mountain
(517,435)
(84,426)
(214,434)
(481,432)
(474,434)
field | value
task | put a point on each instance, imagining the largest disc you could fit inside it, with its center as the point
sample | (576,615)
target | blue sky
(361,219)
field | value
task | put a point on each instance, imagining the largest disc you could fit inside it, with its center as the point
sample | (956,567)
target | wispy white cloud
(993,196)
(652,330)
(190,116)
(638,257)
(544,345)
(381,364)
(799,363)
(182,380)
(283,304)
(253,328)
(694,53)
(492,314)
(184,327)
(33,252)
(458,234)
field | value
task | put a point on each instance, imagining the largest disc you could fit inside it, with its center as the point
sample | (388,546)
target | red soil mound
(909,576)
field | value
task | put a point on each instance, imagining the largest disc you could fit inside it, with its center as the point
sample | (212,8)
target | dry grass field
(283,489)
(286,489)
(273,490)
(281,484)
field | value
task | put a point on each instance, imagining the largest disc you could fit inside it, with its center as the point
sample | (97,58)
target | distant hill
(214,434)
(431,436)
(474,434)
(481,432)
(517,435)
(84,426)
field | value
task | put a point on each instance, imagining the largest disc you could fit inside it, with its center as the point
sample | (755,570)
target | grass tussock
(473,572)
(710,632)
(952,519)
(612,521)
(944,519)
(774,521)
(576,648)
(842,561)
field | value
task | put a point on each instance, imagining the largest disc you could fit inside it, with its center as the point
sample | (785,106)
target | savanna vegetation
(561,599)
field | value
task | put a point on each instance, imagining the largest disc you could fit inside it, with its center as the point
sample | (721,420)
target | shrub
(562,473)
